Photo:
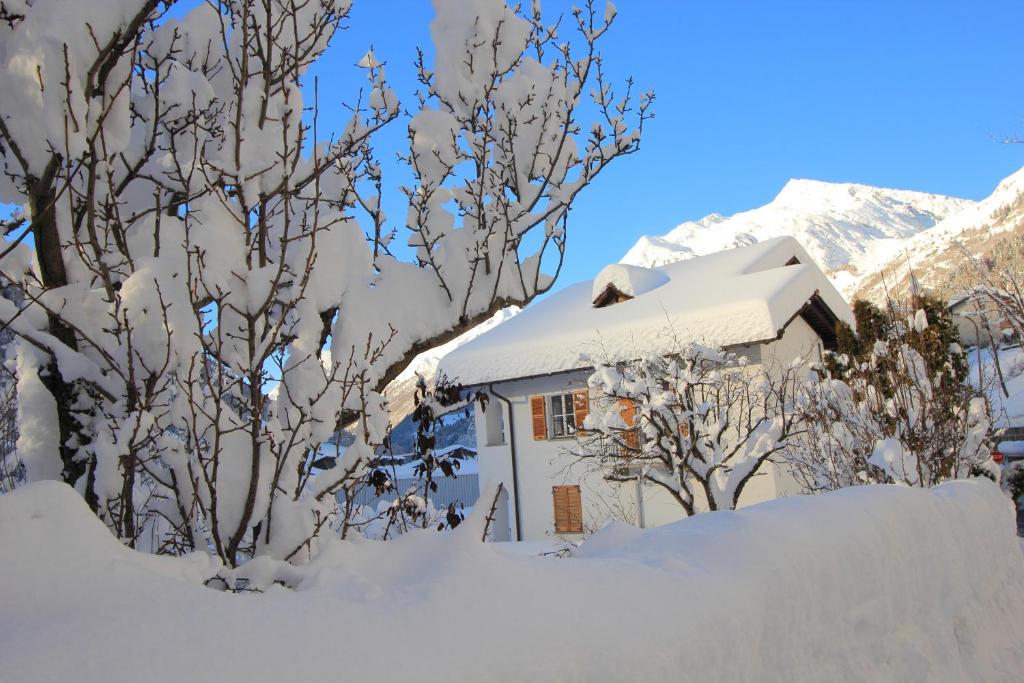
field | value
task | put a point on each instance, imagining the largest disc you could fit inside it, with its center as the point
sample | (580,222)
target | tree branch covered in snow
(198,240)
(699,423)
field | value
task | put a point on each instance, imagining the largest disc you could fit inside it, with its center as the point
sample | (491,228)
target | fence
(463,490)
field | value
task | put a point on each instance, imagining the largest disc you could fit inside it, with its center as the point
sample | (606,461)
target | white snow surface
(878,583)
(630,280)
(737,296)
(425,364)
(850,229)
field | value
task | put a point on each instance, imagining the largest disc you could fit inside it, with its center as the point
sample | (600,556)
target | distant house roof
(734,297)
(974,294)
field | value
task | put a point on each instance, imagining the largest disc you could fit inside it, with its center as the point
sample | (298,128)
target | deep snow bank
(877,583)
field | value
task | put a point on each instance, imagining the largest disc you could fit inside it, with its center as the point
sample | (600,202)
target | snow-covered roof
(974,294)
(629,280)
(733,297)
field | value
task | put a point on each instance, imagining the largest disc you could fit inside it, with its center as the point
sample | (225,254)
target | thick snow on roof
(737,296)
(630,280)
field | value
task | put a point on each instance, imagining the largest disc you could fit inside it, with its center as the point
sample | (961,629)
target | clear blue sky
(911,94)
(901,93)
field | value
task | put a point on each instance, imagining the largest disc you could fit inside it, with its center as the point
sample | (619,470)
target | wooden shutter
(568,506)
(627,409)
(580,408)
(539,413)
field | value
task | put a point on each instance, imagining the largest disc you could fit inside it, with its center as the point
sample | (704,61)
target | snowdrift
(876,583)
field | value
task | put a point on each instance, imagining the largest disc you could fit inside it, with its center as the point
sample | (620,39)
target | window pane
(570,414)
(563,420)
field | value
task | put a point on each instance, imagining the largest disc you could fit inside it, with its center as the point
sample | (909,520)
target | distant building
(462,490)
(978,318)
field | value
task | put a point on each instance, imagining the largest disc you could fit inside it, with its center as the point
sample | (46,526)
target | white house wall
(972,317)
(543,464)
(799,340)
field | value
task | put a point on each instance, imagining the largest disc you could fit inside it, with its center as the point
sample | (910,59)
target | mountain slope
(935,255)
(848,228)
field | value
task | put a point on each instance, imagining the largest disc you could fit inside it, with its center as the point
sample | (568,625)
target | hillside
(935,255)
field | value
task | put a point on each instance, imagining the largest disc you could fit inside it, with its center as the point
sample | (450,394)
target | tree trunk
(42,198)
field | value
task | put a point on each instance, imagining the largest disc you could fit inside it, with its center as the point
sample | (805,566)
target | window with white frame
(563,415)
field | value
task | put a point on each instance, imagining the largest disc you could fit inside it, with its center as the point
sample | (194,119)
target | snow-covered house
(768,302)
(978,318)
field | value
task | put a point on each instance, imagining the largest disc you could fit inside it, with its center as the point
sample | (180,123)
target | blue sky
(903,93)
(912,94)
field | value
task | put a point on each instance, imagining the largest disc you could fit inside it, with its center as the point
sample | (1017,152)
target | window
(559,415)
(568,509)
(563,415)
(494,424)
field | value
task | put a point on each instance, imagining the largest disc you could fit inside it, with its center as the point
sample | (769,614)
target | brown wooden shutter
(568,506)
(580,408)
(627,409)
(539,413)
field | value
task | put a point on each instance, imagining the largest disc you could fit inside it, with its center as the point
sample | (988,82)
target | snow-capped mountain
(849,229)
(934,255)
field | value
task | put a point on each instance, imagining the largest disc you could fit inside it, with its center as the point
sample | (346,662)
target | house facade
(978,318)
(767,302)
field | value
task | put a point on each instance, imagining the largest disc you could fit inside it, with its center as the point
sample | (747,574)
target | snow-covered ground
(874,583)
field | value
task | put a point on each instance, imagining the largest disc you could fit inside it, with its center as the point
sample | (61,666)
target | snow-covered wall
(875,583)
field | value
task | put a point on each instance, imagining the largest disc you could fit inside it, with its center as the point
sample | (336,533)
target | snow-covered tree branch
(192,240)
(699,423)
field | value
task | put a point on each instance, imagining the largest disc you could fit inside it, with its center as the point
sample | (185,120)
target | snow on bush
(895,406)
(199,238)
(866,584)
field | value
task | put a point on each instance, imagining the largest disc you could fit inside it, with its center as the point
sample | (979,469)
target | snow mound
(629,280)
(873,583)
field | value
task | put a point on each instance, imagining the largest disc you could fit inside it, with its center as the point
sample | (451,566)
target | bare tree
(995,279)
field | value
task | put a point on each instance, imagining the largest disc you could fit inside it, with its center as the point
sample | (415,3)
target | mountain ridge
(851,229)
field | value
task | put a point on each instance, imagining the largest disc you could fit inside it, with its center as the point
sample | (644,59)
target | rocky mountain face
(937,256)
